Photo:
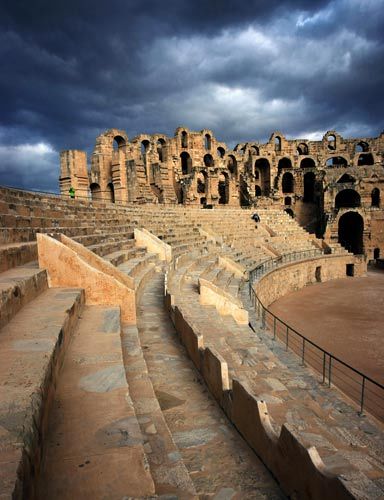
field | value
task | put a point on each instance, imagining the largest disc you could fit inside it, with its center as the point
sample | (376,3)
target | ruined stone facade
(333,187)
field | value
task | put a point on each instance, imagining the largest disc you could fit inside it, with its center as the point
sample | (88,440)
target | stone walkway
(349,445)
(219,462)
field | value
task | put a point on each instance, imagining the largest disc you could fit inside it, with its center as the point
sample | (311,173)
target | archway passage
(351,227)
(262,167)
(287,183)
(223,190)
(95,191)
(347,198)
(111,192)
(186,163)
(309,187)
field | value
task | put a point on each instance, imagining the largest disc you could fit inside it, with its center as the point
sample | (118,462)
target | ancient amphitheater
(139,358)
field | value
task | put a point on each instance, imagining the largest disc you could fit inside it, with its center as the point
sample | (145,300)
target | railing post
(329,371)
(274,327)
(362,398)
(323,382)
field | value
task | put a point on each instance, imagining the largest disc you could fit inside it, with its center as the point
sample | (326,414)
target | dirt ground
(344,317)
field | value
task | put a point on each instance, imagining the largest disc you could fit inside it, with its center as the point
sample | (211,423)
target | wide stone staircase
(94,407)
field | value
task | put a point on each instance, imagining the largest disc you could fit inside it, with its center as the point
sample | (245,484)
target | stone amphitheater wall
(295,276)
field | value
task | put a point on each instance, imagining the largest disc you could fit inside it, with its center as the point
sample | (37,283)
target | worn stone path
(93,448)
(219,462)
(348,444)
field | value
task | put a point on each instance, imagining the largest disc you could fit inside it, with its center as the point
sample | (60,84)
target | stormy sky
(71,69)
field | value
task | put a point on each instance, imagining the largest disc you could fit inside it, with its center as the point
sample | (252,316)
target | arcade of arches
(317,181)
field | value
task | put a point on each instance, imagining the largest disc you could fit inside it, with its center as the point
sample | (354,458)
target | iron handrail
(331,357)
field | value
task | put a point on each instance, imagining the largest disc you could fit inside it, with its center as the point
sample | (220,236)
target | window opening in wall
(375,197)
(331,142)
(365,159)
(184,139)
(257,191)
(376,253)
(221,152)
(207,142)
(318,274)
(277,144)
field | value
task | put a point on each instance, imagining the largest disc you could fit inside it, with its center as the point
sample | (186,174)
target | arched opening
(208,161)
(277,144)
(290,212)
(287,183)
(257,191)
(203,200)
(255,150)
(111,192)
(186,163)
(144,148)
(287,200)
(309,187)
(331,142)
(346,179)
(350,230)
(361,147)
(307,163)
(284,163)
(220,152)
(160,146)
(376,253)
(365,159)
(232,165)
(201,183)
(257,174)
(336,161)
(118,142)
(302,149)
(347,198)
(375,197)
(95,191)
(223,189)
(262,165)
(184,139)
(207,142)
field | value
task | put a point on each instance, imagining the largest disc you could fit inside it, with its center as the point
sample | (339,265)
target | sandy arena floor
(345,317)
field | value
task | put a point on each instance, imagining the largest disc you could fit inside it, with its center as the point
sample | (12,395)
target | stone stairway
(348,445)
(192,449)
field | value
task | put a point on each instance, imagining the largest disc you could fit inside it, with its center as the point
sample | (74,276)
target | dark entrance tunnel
(351,227)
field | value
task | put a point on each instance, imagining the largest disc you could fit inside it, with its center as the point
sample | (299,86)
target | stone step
(121,256)
(16,254)
(32,347)
(18,286)
(94,446)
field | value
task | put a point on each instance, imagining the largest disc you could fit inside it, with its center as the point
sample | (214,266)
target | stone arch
(365,159)
(201,183)
(362,147)
(95,191)
(208,160)
(232,165)
(160,148)
(255,150)
(347,198)
(284,163)
(184,139)
(375,197)
(186,163)
(288,183)
(346,178)
(263,166)
(118,142)
(309,187)
(207,142)
(302,149)
(336,161)
(350,232)
(220,152)
(331,142)
(277,143)
(144,147)
(223,188)
(111,192)
(307,163)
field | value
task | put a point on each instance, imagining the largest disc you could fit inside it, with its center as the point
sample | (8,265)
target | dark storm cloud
(243,68)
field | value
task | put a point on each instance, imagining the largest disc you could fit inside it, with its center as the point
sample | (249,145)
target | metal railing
(367,393)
